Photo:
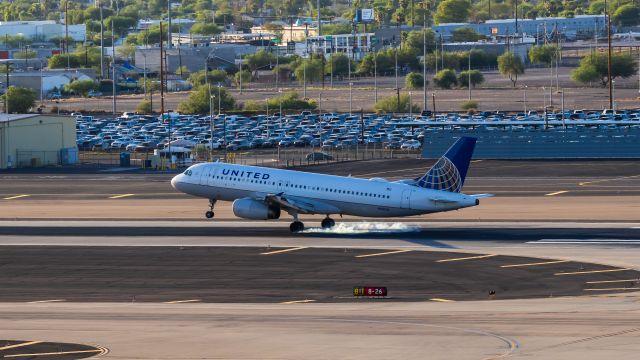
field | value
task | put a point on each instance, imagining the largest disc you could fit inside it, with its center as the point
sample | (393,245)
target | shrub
(445,79)
(414,81)
(390,104)
(144,107)
(470,105)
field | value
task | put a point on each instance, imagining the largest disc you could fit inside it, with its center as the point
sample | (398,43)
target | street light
(525,103)
(266,101)
(211,97)
(613,96)
(410,111)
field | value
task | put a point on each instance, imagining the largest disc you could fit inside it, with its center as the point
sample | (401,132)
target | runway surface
(123,261)
(504,178)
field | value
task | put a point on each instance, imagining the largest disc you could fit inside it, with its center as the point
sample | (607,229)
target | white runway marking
(440,300)
(535,264)
(383,253)
(611,281)
(182,301)
(298,301)
(590,272)
(120,196)
(283,251)
(19,345)
(556,193)
(587,241)
(16,197)
(46,301)
(467,258)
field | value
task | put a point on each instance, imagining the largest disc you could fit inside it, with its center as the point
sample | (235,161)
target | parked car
(318,156)
(94,93)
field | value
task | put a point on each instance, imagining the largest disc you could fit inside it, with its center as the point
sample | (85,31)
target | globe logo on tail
(442,176)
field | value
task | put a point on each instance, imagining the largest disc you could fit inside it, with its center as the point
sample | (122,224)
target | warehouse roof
(12,117)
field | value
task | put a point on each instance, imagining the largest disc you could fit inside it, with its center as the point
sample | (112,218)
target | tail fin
(449,172)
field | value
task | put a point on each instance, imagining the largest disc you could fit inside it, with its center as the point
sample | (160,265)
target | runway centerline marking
(54,353)
(535,264)
(467,258)
(45,301)
(16,197)
(182,301)
(383,253)
(120,196)
(605,180)
(611,281)
(590,272)
(283,250)
(557,193)
(19,345)
(613,289)
(298,301)
(440,300)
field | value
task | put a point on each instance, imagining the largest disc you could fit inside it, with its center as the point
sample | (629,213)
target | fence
(557,143)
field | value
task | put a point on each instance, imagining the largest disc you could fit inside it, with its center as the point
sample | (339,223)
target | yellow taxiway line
(467,258)
(182,301)
(120,196)
(54,353)
(383,253)
(298,301)
(556,193)
(19,345)
(605,180)
(440,300)
(16,197)
(589,272)
(283,251)
(535,264)
(611,281)
(45,301)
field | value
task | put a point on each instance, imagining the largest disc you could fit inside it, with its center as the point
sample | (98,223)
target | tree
(543,54)
(594,67)
(340,64)
(198,100)
(182,70)
(144,107)
(414,81)
(259,60)
(309,69)
(466,35)
(24,55)
(246,77)
(452,11)
(214,77)
(445,79)
(19,100)
(627,15)
(511,66)
(205,29)
(292,101)
(81,87)
(127,51)
(415,39)
(120,24)
(476,78)
(390,104)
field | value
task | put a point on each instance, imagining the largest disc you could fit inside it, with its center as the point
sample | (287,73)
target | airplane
(261,193)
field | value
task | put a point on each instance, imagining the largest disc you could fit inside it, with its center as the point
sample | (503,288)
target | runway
(120,262)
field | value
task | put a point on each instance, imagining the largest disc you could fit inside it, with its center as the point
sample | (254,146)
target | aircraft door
(406,199)
(213,171)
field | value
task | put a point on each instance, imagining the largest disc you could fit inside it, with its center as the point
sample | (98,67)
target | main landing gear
(297,225)
(210,214)
(328,223)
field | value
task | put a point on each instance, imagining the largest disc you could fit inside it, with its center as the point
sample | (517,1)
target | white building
(353,45)
(47,29)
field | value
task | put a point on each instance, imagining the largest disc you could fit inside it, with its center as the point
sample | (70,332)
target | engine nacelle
(255,210)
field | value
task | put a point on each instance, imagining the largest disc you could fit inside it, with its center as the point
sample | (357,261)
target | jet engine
(248,208)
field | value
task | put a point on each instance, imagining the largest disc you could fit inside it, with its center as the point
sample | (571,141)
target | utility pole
(113,68)
(608,15)
(101,41)
(168,28)
(375,77)
(162,78)
(469,75)
(319,24)
(424,59)
(66,32)
(397,86)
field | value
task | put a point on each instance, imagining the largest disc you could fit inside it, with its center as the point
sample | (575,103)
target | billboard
(364,16)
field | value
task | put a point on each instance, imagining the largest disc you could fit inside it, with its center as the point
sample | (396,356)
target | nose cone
(175,182)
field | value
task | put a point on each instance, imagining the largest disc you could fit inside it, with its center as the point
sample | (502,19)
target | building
(580,26)
(30,140)
(354,45)
(518,45)
(297,31)
(42,30)
(46,81)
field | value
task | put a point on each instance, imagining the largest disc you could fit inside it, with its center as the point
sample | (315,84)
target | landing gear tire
(328,223)
(296,226)
(209,214)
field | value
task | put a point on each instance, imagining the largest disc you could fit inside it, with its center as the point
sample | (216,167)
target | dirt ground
(495,94)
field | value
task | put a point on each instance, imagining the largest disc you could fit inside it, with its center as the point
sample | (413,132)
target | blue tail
(449,172)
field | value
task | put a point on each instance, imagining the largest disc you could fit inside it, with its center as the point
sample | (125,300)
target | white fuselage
(331,194)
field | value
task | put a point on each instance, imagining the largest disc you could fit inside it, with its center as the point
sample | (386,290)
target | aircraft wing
(479,196)
(300,205)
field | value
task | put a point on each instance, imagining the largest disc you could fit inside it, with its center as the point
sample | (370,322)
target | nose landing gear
(210,214)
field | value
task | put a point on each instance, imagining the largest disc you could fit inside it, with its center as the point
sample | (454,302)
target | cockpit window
(187,172)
